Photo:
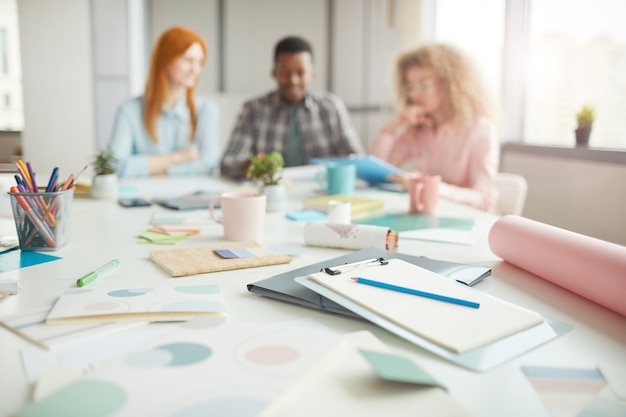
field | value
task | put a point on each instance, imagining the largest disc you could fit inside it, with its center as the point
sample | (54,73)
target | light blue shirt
(131,144)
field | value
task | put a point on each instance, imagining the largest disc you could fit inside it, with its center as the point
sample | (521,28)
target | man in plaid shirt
(299,123)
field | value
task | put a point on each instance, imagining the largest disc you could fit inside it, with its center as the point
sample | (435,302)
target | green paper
(162,238)
(398,368)
(94,398)
(405,222)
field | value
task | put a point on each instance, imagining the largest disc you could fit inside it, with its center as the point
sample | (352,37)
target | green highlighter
(100,271)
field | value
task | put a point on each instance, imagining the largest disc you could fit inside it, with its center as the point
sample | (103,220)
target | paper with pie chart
(106,304)
(208,366)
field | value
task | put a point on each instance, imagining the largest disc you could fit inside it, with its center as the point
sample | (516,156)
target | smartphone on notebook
(134,202)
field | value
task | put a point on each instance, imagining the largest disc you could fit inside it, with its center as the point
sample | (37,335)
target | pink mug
(243,216)
(424,193)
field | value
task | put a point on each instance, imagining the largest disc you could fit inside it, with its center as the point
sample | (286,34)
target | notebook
(358,204)
(191,261)
(109,304)
(197,200)
(454,327)
(368,168)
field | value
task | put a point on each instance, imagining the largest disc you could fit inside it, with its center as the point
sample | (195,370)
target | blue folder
(368,168)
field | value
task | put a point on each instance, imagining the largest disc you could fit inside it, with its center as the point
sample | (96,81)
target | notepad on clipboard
(453,327)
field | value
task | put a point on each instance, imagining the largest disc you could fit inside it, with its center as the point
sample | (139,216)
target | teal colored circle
(171,354)
(91,397)
(186,353)
(132,292)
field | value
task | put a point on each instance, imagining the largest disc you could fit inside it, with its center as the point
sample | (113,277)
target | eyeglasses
(424,85)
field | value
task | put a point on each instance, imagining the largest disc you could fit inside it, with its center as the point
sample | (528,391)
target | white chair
(511,193)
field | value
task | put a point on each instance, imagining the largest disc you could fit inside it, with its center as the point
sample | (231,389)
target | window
(4,52)
(576,56)
(477,28)
(12,114)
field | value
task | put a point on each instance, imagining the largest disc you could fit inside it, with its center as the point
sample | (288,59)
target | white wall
(57,76)
(587,197)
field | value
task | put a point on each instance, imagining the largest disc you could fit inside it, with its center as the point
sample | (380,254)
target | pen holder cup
(42,219)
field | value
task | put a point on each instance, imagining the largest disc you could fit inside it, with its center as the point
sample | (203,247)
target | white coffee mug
(243,216)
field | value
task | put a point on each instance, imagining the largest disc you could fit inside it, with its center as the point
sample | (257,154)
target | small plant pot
(276,197)
(104,186)
(582,136)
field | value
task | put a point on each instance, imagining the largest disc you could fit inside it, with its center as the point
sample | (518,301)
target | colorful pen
(43,230)
(53,179)
(98,272)
(415,292)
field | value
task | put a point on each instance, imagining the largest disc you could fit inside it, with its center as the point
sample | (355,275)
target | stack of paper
(108,304)
(454,327)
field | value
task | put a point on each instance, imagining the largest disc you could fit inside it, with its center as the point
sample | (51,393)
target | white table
(102,230)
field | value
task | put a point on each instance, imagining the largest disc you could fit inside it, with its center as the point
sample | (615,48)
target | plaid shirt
(263,125)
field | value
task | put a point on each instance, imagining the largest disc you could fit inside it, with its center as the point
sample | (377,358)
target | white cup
(339,212)
(243,216)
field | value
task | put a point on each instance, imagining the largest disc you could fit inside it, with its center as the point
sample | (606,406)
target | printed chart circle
(131,292)
(170,355)
(275,351)
(93,398)
(271,354)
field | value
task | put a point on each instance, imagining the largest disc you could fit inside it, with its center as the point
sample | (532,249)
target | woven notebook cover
(191,261)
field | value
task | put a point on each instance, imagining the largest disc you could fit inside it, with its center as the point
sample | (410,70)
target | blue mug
(338,179)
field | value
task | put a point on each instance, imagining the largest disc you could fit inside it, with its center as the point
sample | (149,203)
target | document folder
(283,287)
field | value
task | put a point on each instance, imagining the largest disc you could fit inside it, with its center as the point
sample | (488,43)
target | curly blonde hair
(464,94)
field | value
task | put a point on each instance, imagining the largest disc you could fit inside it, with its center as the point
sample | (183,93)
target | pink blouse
(467,165)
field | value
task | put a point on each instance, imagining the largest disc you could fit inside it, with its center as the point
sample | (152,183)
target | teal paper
(16,259)
(405,222)
(398,368)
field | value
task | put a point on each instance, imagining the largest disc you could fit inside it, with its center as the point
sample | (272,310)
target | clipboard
(283,287)
(481,358)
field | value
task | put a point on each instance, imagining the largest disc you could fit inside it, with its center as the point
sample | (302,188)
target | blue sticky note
(16,259)
(305,215)
(226,253)
(243,253)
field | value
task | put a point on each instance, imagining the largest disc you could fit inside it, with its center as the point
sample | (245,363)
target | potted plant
(584,119)
(266,169)
(104,183)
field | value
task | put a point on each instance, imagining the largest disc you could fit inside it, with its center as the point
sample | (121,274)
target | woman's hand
(416,116)
(411,116)
(190,153)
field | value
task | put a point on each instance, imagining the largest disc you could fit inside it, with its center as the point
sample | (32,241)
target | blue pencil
(52,180)
(415,292)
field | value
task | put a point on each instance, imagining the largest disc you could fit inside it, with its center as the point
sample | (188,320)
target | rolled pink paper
(589,267)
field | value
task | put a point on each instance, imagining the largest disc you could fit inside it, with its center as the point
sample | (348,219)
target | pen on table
(412,291)
(98,272)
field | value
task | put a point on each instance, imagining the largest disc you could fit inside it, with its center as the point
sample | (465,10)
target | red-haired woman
(168,131)
(445,125)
